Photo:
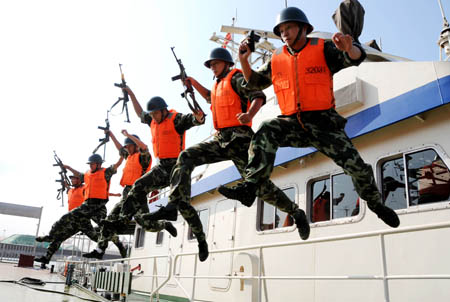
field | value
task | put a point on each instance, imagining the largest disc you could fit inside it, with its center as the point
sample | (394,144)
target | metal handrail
(380,233)
(110,261)
(172,260)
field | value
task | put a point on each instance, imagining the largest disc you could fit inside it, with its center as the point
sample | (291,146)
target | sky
(59,60)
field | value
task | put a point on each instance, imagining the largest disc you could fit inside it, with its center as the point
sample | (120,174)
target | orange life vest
(76,197)
(303,80)
(226,103)
(96,185)
(167,142)
(133,170)
(321,209)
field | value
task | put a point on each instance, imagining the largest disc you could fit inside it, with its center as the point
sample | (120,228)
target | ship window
(341,191)
(159,238)
(393,183)
(204,215)
(272,218)
(428,179)
(140,237)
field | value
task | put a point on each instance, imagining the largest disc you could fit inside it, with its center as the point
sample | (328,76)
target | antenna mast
(444,37)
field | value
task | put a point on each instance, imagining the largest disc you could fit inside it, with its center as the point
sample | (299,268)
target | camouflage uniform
(228,144)
(114,215)
(78,220)
(158,177)
(323,130)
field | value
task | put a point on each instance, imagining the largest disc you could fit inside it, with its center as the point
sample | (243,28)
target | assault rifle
(125,98)
(188,89)
(104,140)
(64,180)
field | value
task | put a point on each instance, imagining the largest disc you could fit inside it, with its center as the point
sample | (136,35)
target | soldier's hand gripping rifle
(64,180)
(104,140)
(252,38)
(188,89)
(125,98)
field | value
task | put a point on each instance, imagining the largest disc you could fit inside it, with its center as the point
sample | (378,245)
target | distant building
(29,240)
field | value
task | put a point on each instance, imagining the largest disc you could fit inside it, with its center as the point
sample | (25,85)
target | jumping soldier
(97,181)
(302,76)
(138,162)
(233,107)
(168,129)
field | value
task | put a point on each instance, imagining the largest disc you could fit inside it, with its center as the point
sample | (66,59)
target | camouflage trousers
(325,132)
(78,220)
(212,152)
(136,204)
(106,236)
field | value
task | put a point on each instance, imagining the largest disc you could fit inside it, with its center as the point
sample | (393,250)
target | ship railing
(103,275)
(11,252)
(384,277)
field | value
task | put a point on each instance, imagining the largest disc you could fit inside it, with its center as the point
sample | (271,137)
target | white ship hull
(392,108)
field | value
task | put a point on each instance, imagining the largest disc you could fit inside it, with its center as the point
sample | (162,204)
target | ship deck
(50,292)
(53,291)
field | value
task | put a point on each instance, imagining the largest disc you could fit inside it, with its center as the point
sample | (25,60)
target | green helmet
(156,103)
(129,141)
(219,53)
(291,14)
(95,158)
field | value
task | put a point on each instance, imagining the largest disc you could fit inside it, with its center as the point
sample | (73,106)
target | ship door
(221,264)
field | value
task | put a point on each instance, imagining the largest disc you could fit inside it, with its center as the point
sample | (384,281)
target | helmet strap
(97,167)
(164,114)
(225,71)
(135,148)
(298,37)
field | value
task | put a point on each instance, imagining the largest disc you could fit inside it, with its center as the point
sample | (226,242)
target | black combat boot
(45,238)
(245,192)
(302,223)
(171,229)
(386,214)
(169,212)
(94,254)
(203,250)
